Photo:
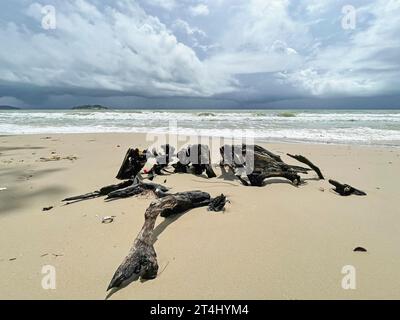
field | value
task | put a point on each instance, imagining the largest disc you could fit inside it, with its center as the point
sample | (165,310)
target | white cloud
(199,10)
(121,49)
(183,25)
(318,6)
(295,46)
(365,62)
(331,83)
(165,4)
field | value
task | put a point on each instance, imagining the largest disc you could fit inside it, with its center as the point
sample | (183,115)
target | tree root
(141,260)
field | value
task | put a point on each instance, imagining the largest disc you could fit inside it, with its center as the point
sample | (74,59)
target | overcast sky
(199,53)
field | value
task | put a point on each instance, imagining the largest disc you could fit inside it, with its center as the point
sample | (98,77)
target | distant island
(8,108)
(90,107)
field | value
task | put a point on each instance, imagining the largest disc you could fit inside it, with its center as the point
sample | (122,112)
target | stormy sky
(200,53)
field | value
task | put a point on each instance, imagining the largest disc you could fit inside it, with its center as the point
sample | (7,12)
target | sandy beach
(272,242)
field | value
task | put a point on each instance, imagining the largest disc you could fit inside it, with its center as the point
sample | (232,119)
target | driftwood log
(345,189)
(141,260)
(258,164)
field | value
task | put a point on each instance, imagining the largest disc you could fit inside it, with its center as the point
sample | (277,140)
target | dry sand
(273,242)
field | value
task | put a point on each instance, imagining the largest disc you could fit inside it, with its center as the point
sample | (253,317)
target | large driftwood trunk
(258,164)
(141,260)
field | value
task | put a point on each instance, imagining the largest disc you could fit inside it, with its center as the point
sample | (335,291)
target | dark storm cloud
(199,53)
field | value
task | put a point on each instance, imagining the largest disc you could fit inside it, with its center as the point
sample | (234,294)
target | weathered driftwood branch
(99,193)
(304,160)
(345,189)
(141,260)
(122,190)
(138,187)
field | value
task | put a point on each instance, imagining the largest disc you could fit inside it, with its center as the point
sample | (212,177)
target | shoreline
(256,140)
(337,127)
(272,242)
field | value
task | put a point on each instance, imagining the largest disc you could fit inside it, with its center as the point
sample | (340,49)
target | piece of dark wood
(360,249)
(258,164)
(138,187)
(141,260)
(345,189)
(124,189)
(99,193)
(218,203)
(133,163)
(304,160)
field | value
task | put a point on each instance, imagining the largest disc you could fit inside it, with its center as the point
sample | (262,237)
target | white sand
(273,242)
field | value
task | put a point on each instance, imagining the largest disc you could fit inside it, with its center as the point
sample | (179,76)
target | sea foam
(376,127)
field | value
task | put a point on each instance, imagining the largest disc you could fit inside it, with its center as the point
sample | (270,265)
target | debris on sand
(360,249)
(72,158)
(57,158)
(3,189)
(47,208)
(345,189)
(52,158)
(57,255)
(107,219)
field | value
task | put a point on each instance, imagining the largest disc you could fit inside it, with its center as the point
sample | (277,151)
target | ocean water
(367,127)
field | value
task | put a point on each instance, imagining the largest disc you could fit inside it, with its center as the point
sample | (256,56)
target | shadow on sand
(156,233)
(20,191)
